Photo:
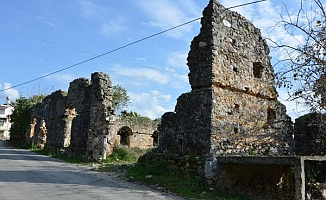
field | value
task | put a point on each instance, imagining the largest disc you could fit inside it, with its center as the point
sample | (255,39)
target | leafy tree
(21,116)
(125,113)
(120,98)
(303,70)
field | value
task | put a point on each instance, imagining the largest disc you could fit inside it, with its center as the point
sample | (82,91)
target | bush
(21,117)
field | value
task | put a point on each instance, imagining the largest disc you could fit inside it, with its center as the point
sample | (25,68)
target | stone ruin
(232,108)
(231,118)
(139,132)
(82,121)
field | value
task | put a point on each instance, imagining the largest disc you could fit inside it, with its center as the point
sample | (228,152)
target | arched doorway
(125,133)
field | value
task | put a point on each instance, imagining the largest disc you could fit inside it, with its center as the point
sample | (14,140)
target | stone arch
(125,132)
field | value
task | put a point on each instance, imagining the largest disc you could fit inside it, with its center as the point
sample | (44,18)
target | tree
(120,98)
(21,116)
(303,70)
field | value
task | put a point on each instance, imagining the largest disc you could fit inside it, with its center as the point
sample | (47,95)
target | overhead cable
(119,48)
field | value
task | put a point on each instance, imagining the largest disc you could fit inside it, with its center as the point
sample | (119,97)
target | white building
(5,123)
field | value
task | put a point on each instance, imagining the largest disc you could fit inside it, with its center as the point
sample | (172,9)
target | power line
(83,51)
(119,48)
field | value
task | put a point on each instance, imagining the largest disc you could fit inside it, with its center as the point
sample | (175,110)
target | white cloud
(141,76)
(247,11)
(12,93)
(165,97)
(177,60)
(142,59)
(149,104)
(41,19)
(165,14)
(89,9)
(113,27)
(62,78)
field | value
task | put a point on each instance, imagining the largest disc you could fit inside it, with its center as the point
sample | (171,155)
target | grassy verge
(164,174)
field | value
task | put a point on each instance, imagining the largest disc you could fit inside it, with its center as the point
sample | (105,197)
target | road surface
(25,175)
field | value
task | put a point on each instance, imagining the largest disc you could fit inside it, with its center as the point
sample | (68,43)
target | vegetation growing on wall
(21,116)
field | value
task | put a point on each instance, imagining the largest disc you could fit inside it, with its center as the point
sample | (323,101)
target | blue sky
(40,37)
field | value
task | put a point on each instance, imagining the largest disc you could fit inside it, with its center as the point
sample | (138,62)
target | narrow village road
(26,175)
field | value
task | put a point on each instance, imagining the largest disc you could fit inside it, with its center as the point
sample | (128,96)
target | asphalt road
(25,175)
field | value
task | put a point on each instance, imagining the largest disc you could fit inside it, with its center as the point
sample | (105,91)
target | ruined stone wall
(232,108)
(81,121)
(101,133)
(141,128)
(51,110)
(310,135)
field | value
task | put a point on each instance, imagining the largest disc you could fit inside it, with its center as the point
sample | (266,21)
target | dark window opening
(234,42)
(271,115)
(246,89)
(155,138)
(258,69)
(236,130)
(236,107)
(125,134)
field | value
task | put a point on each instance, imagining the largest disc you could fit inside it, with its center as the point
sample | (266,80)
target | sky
(41,37)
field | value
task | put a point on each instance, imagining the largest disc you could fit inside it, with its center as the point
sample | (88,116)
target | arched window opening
(125,133)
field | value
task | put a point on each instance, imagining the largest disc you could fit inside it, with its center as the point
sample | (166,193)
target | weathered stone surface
(82,122)
(51,110)
(77,121)
(79,96)
(232,108)
(100,138)
(310,135)
(141,131)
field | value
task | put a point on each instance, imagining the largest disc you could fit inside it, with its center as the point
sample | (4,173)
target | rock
(130,179)
(149,176)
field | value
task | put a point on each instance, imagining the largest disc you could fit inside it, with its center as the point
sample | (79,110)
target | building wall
(6,111)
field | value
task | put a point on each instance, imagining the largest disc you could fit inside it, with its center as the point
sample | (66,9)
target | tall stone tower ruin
(232,108)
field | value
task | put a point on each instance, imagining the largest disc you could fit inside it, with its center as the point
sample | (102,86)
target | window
(258,69)
(2,111)
(271,115)
(2,123)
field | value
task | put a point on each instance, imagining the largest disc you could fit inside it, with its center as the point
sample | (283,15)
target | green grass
(172,179)
(59,155)
(124,155)
(120,159)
